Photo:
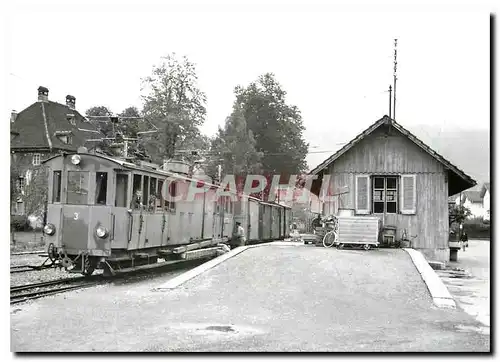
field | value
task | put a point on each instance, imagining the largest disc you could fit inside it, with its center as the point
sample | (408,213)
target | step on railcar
(106,213)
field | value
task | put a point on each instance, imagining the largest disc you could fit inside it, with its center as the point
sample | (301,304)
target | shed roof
(38,126)
(462,180)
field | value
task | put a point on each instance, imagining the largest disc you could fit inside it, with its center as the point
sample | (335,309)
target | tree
(277,127)
(457,214)
(96,115)
(234,148)
(34,190)
(130,122)
(174,104)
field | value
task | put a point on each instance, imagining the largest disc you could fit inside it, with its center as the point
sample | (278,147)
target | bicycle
(331,236)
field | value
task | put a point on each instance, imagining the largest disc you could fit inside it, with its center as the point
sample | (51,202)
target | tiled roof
(38,125)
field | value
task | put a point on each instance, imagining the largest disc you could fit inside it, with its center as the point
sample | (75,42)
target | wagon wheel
(366,246)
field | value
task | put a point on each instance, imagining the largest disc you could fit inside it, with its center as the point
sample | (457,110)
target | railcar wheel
(366,246)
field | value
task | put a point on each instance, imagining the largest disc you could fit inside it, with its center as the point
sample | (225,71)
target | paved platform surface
(472,293)
(270,298)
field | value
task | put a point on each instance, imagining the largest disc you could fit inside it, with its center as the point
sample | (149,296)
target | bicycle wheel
(329,239)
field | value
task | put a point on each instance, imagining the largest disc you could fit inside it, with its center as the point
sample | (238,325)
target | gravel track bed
(28,259)
(35,276)
(38,276)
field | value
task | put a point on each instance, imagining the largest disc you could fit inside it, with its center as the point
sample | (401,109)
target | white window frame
(37,158)
(384,193)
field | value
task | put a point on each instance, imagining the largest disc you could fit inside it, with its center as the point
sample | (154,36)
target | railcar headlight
(49,229)
(75,159)
(101,232)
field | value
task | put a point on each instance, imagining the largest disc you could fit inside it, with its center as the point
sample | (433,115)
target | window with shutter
(408,194)
(384,194)
(362,194)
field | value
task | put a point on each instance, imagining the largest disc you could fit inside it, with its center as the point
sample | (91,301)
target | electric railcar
(106,213)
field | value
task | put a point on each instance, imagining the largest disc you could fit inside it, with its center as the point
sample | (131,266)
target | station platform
(269,297)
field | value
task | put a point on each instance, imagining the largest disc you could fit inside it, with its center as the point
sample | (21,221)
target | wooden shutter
(362,194)
(408,200)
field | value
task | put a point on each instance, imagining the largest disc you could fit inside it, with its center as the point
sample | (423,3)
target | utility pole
(395,77)
(390,99)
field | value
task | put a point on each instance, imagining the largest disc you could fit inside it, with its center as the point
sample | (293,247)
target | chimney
(43,94)
(13,116)
(70,101)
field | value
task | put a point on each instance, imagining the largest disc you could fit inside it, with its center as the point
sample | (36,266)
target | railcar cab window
(121,190)
(385,194)
(56,186)
(78,187)
(172,192)
(145,191)
(101,186)
(160,202)
(153,195)
(136,192)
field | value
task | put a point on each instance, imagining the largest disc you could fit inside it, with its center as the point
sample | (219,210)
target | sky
(335,62)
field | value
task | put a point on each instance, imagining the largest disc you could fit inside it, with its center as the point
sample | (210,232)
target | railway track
(22,293)
(26,292)
(27,268)
(29,252)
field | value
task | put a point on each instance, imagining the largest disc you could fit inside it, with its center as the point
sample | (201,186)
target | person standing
(240,235)
(465,240)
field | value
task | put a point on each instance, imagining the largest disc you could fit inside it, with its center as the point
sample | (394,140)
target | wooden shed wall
(395,154)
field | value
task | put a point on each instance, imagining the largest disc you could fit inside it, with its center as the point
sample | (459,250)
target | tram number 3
(76,216)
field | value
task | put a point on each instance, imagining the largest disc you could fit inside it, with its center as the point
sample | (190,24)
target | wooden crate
(358,230)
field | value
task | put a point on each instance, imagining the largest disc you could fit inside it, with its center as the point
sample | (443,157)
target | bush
(476,228)
(19,222)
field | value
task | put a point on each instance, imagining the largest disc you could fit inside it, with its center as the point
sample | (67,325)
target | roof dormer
(65,137)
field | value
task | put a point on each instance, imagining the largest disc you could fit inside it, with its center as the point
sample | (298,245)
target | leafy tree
(276,126)
(234,147)
(96,114)
(457,214)
(126,124)
(131,123)
(174,104)
(14,177)
(34,192)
